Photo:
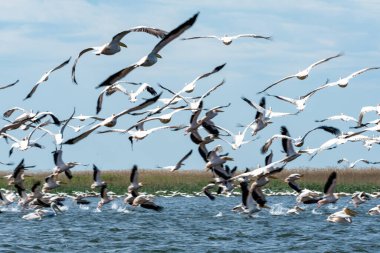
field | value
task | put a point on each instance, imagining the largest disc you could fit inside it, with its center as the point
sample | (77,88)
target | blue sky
(38,35)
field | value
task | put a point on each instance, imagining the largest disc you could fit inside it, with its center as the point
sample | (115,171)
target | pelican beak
(158,56)
(350,212)
(272,177)
(265,206)
(122,44)
(227,158)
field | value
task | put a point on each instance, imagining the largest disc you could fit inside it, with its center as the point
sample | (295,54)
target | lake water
(191,224)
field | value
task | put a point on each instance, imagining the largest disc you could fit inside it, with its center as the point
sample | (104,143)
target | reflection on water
(190,225)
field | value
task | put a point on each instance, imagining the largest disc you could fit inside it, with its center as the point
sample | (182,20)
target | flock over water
(201,129)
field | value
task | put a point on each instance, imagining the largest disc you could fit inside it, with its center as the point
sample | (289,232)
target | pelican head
(349,212)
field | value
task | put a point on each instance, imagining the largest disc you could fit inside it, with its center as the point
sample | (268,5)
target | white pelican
(263,116)
(237,138)
(112,120)
(24,143)
(303,74)
(329,189)
(8,85)
(61,166)
(6,199)
(227,40)
(45,77)
(58,137)
(359,198)
(343,82)
(178,165)
(135,185)
(114,46)
(343,216)
(365,110)
(300,103)
(51,183)
(305,196)
(353,164)
(146,201)
(96,177)
(151,58)
(342,117)
(214,159)
(375,210)
(17,176)
(164,118)
(39,214)
(104,198)
(109,90)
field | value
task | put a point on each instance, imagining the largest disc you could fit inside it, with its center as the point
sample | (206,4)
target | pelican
(214,159)
(305,196)
(39,214)
(238,138)
(359,198)
(151,58)
(109,90)
(343,216)
(263,115)
(341,117)
(104,198)
(295,210)
(8,85)
(6,199)
(134,180)
(61,166)
(112,120)
(17,176)
(24,143)
(114,46)
(343,82)
(80,127)
(45,77)
(206,191)
(365,110)
(300,103)
(329,189)
(375,210)
(353,164)
(303,74)
(227,40)
(51,183)
(96,177)
(146,202)
(178,165)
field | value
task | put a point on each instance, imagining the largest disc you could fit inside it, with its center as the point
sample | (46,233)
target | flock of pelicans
(224,178)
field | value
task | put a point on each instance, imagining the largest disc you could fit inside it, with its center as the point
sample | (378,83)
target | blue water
(190,224)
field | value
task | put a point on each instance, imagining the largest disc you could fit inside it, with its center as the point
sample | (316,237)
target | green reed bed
(190,181)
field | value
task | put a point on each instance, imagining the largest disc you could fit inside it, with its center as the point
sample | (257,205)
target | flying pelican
(329,189)
(109,90)
(104,198)
(238,138)
(343,216)
(42,213)
(365,110)
(299,103)
(206,191)
(96,177)
(114,46)
(134,180)
(359,198)
(214,159)
(146,201)
(8,85)
(45,77)
(61,166)
(112,120)
(151,58)
(178,165)
(17,176)
(227,40)
(343,82)
(342,117)
(263,116)
(51,183)
(303,74)
(24,143)
(353,164)
(305,196)
(375,210)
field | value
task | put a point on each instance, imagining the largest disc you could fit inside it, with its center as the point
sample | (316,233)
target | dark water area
(190,224)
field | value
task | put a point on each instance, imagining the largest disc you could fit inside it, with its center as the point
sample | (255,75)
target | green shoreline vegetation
(191,181)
